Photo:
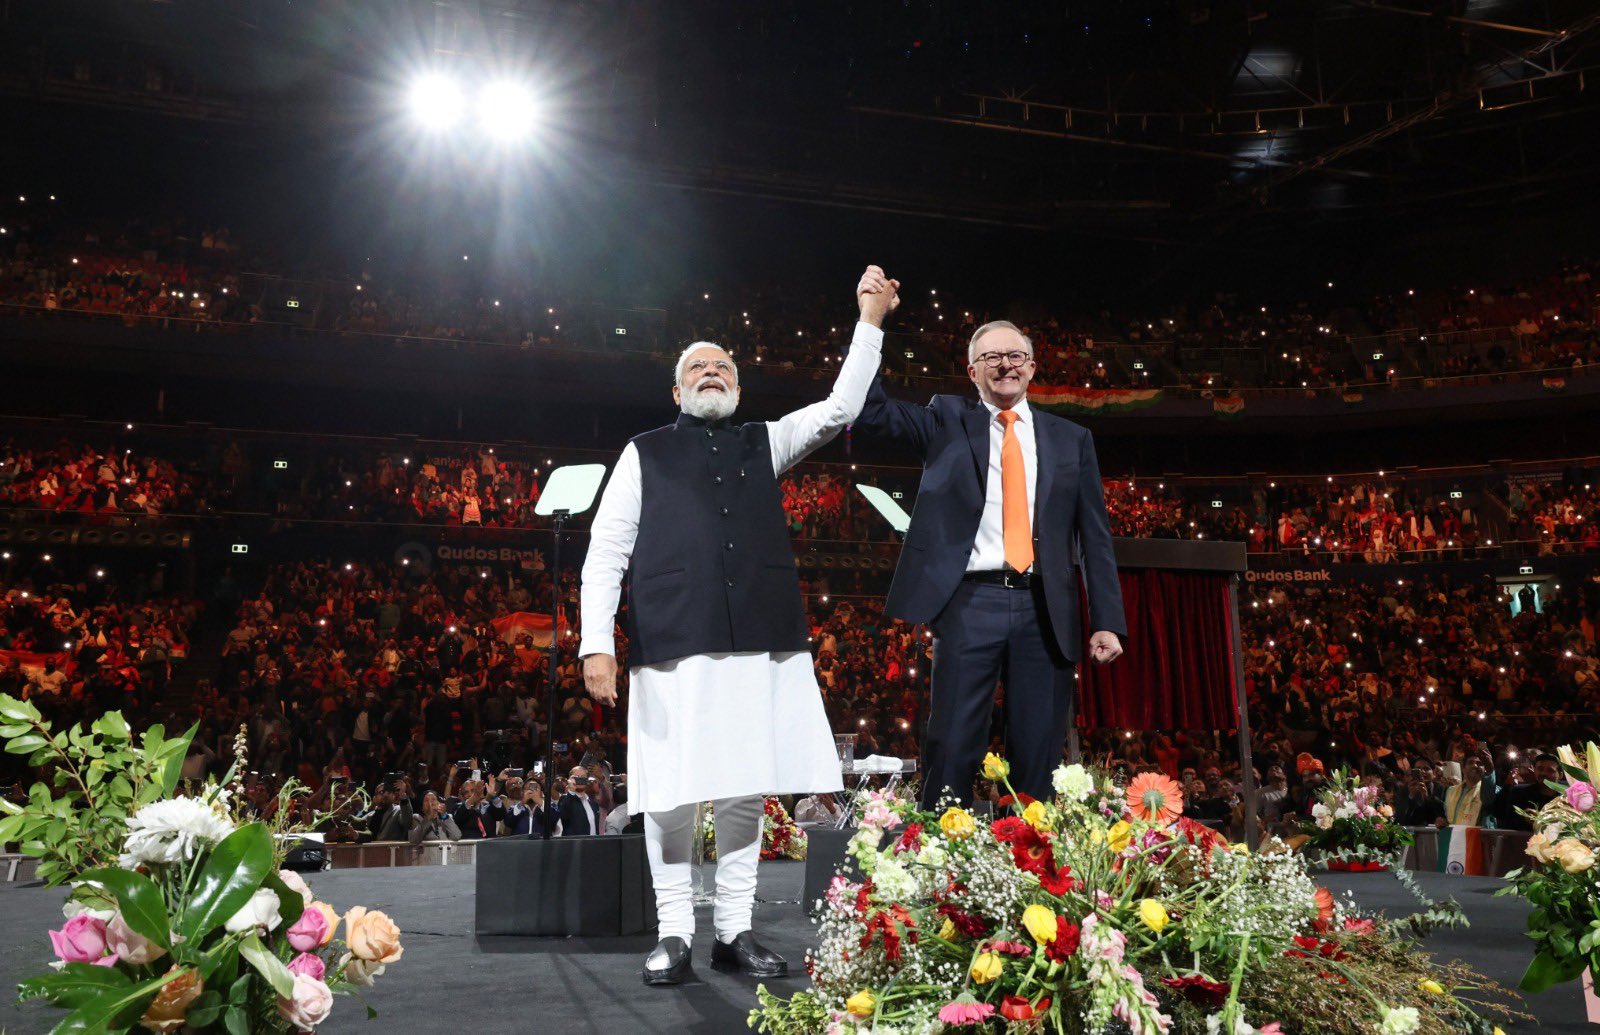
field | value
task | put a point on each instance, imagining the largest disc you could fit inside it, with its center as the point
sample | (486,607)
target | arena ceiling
(1159,120)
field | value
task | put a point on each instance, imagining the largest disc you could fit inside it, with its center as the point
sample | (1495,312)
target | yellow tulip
(1041,923)
(948,931)
(1034,816)
(1119,835)
(986,967)
(1592,756)
(995,767)
(1499,1030)
(957,824)
(1154,915)
(1430,985)
(1240,848)
(862,1004)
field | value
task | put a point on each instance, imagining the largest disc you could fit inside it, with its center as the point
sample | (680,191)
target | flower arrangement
(1352,829)
(180,916)
(1101,909)
(781,836)
(1565,922)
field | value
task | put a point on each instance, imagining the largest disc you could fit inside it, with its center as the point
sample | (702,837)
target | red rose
(1017,1008)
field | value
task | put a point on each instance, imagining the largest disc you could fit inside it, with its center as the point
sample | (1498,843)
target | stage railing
(386,854)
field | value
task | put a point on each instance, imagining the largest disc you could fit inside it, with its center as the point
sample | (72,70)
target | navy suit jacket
(1071,532)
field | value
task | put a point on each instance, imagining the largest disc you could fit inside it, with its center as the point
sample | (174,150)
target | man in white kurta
(725,726)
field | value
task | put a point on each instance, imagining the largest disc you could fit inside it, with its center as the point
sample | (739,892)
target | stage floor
(451,979)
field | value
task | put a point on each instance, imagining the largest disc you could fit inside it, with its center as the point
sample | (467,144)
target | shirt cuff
(596,645)
(866,334)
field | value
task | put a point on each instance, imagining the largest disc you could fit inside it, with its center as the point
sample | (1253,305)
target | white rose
(1319,810)
(359,971)
(1073,782)
(1325,823)
(1344,812)
(296,883)
(260,914)
(309,1006)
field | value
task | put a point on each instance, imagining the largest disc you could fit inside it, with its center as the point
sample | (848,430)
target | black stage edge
(452,978)
(586,887)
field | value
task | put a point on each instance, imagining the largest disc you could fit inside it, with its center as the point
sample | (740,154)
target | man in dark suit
(1009,512)
(580,814)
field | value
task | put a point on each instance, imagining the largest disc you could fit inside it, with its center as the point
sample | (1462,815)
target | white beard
(710,405)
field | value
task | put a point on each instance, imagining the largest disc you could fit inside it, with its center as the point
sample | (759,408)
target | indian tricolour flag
(1461,851)
(1227,405)
(512,627)
(1092,400)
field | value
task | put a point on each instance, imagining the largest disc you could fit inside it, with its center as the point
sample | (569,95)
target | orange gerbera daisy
(1155,798)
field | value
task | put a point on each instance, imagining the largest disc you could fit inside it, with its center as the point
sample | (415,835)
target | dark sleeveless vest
(712,569)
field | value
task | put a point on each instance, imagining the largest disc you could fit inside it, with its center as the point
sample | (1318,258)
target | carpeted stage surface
(451,980)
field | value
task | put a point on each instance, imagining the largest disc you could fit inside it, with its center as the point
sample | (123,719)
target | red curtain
(1176,669)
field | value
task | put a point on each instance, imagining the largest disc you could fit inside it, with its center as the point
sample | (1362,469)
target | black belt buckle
(1015,579)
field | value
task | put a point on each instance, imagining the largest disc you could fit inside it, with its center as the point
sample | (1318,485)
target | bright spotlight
(437,102)
(506,111)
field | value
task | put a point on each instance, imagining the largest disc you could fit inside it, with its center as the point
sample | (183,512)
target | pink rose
(309,1006)
(1580,796)
(309,965)
(129,945)
(308,932)
(80,940)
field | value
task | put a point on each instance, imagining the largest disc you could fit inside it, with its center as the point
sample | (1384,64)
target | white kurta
(721,725)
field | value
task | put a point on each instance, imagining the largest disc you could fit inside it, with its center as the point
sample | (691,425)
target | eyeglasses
(992,359)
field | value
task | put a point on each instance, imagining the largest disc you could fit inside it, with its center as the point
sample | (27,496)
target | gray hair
(683,360)
(994,325)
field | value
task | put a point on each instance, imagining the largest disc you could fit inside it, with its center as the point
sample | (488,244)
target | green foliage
(100,776)
(234,871)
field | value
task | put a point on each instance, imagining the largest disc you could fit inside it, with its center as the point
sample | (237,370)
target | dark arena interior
(303,303)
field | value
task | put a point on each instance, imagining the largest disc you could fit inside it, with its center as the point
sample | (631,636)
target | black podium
(566,886)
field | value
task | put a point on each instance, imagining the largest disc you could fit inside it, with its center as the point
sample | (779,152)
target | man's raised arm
(796,435)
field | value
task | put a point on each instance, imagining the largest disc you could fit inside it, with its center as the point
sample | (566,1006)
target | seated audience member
(1420,807)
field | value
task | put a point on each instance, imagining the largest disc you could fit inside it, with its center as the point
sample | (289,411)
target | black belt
(1008,579)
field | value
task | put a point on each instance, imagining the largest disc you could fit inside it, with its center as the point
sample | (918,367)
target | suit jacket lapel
(1044,455)
(977,425)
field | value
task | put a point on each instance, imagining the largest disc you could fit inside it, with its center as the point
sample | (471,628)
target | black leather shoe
(747,956)
(668,962)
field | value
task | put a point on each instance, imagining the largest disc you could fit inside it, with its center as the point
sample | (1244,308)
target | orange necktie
(1014,496)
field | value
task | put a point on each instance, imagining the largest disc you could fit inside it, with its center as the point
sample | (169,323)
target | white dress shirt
(989,547)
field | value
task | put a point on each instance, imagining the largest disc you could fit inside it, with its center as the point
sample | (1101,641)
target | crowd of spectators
(87,644)
(1546,321)
(351,676)
(1361,518)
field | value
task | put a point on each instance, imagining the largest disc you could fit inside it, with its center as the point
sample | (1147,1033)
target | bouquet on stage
(1559,882)
(1351,829)
(1103,910)
(180,917)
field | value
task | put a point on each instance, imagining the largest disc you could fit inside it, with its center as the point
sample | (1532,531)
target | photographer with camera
(579,808)
(527,814)
(434,824)
(389,818)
